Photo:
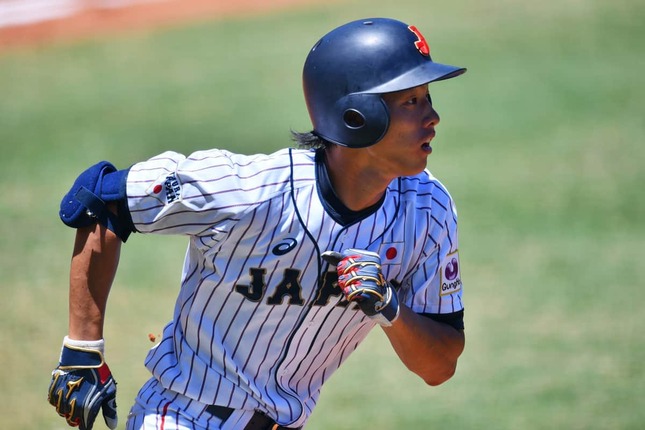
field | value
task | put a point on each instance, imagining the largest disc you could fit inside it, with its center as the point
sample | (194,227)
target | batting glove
(82,383)
(361,280)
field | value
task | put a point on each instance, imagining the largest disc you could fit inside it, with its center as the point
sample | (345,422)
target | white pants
(156,408)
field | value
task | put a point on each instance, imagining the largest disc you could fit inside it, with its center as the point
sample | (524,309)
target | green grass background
(542,144)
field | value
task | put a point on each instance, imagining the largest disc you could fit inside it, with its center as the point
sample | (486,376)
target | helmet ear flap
(364,119)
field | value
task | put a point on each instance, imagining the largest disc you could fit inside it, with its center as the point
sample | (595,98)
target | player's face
(404,149)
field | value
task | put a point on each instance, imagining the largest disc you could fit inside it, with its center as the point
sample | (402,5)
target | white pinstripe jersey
(260,322)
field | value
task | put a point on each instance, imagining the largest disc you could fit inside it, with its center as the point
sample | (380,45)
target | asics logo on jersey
(285,246)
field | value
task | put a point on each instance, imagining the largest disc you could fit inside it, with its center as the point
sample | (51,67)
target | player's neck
(357,184)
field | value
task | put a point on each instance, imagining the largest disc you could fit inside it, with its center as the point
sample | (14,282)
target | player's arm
(82,383)
(96,206)
(428,348)
(93,268)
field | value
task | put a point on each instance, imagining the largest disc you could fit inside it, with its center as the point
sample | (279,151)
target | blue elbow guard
(85,203)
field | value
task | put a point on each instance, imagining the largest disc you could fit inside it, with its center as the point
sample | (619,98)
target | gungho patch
(451,275)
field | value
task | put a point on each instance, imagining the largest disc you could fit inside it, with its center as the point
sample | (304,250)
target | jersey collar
(332,204)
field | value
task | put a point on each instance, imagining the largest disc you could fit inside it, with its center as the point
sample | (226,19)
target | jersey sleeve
(175,194)
(435,287)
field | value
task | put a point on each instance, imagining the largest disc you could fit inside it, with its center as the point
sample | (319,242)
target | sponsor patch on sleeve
(450,274)
(166,190)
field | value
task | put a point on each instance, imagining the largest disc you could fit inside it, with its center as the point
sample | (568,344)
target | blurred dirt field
(82,19)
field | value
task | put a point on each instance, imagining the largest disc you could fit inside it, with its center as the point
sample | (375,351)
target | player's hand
(81,385)
(361,280)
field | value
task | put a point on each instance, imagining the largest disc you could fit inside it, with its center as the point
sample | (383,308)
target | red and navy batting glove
(82,384)
(361,280)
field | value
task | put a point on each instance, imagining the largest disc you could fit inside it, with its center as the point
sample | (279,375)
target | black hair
(309,140)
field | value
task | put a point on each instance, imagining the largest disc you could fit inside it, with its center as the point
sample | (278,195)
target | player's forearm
(428,348)
(93,267)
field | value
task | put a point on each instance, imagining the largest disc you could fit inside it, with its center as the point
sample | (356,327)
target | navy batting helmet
(349,68)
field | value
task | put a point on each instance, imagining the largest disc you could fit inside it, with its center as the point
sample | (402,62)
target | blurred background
(541,144)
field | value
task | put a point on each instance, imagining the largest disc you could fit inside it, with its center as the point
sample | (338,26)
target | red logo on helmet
(421,43)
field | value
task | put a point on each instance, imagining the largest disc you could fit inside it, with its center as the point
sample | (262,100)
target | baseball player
(292,257)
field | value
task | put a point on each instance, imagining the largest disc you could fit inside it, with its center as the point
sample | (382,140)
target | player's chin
(414,168)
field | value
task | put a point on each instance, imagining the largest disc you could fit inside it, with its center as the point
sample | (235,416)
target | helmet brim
(423,74)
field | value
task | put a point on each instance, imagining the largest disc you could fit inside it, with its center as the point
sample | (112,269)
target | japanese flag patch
(166,190)
(391,253)
(450,274)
